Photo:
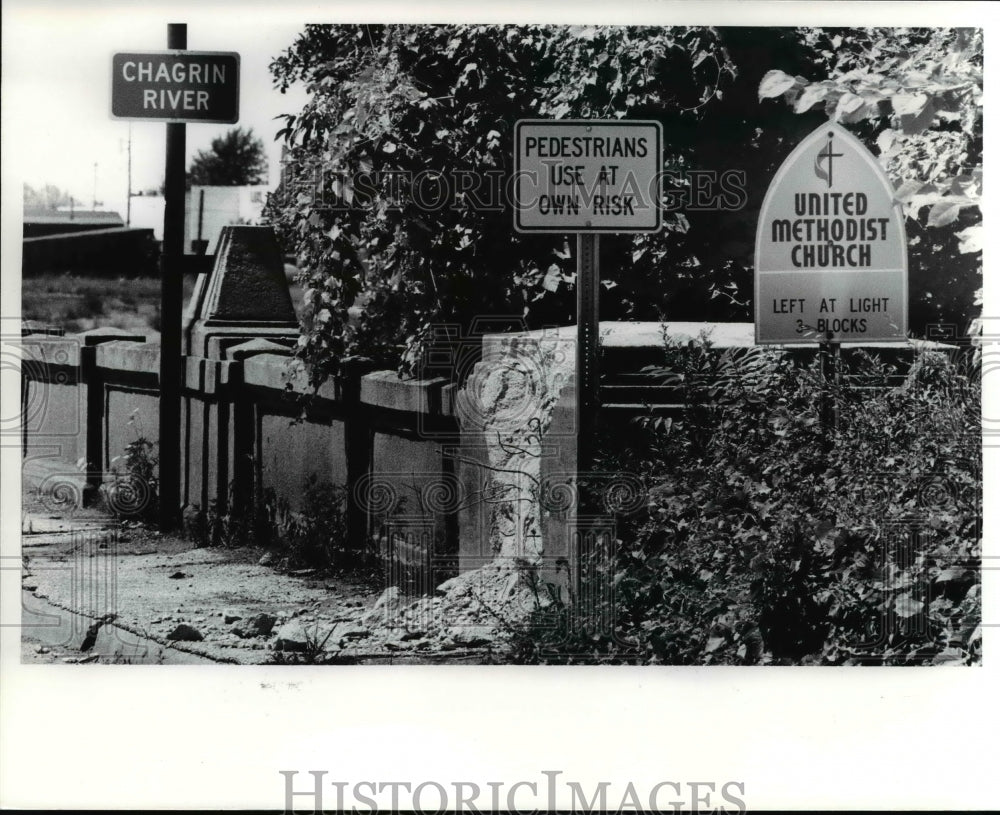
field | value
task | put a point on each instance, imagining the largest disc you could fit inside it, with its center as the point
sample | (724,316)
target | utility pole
(171,302)
(132,99)
(128,199)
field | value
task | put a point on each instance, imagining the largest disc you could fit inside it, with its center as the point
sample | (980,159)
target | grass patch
(80,303)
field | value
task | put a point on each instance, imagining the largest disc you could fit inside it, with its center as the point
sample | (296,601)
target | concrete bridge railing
(439,479)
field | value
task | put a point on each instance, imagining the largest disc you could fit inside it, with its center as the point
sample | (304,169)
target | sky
(57,77)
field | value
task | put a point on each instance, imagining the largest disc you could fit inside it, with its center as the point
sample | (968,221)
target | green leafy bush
(391,104)
(769,538)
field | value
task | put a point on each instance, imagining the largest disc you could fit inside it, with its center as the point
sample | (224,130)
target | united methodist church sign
(831,247)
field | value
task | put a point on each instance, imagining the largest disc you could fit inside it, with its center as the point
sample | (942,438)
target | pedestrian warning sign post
(176,86)
(830,261)
(585,175)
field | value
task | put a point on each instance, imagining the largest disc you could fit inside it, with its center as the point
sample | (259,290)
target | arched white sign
(830,259)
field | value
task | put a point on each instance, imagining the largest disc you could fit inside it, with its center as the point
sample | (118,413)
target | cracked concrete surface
(143,587)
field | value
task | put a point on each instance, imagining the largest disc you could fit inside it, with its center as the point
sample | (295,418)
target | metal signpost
(830,258)
(175,87)
(587,176)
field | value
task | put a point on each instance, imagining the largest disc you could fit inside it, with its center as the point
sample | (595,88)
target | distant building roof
(80,216)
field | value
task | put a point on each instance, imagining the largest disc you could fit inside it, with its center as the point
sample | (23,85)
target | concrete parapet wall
(439,477)
(251,424)
(385,389)
(132,357)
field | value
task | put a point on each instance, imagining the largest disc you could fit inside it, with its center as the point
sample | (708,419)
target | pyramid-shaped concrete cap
(248,281)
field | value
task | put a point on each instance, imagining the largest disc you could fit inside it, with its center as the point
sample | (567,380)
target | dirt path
(145,598)
(52,634)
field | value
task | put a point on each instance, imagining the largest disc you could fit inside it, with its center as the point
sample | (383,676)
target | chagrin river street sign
(830,260)
(176,86)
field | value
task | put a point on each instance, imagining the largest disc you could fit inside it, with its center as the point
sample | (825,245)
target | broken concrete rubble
(296,635)
(229,609)
(260,625)
(185,633)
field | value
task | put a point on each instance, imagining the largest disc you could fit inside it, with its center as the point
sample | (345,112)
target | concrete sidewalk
(98,590)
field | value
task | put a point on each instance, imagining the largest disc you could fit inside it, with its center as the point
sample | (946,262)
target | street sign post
(830,260)
(587,176)
(176,87)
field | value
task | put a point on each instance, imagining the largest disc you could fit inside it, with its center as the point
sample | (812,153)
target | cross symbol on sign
(829,155)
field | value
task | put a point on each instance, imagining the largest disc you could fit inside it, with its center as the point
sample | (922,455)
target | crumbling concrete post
(505,413)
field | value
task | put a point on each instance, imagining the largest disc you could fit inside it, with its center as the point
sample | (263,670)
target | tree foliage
(48,197)
(237,158)
(395,113)
(445,99)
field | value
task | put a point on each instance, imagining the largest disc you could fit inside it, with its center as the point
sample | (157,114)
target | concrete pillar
(244,297)
(239,456)
(358,444)
(94,383)
(239,309)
